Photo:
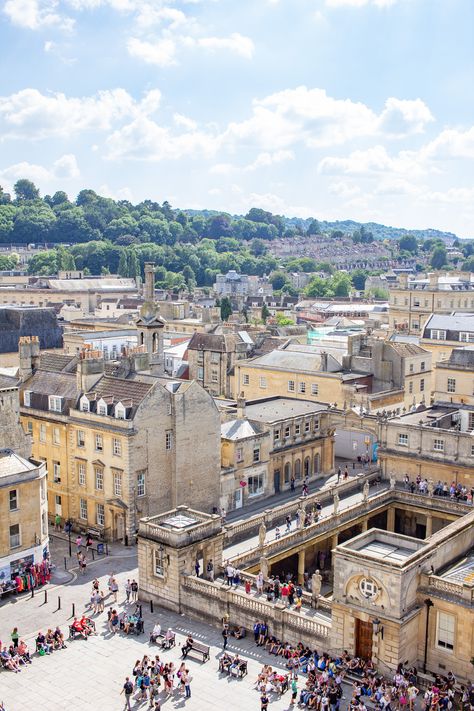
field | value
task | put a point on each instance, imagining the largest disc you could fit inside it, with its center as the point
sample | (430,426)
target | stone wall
(28,322)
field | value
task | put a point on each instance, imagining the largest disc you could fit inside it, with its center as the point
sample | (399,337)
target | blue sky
(335,109)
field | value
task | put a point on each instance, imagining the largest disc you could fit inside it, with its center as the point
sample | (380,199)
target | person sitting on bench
(168,639)
(234,668)
(187,646)
(155,633)
(225,662)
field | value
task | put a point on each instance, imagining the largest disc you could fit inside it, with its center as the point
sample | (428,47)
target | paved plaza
(90,674)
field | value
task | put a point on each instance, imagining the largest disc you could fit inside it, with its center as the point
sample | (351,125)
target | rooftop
(463,572)
(295,361)
(238,429)
(11,464)
(453,322)
(281,408)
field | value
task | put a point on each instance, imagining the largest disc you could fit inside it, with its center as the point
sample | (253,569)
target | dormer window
(120,412)
(27,398)
(101,408)
(84,404)
(55,403)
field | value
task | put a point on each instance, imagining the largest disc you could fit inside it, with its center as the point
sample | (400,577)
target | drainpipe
(429,603)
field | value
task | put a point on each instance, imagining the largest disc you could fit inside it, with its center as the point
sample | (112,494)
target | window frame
(141,483)
(100,519)
(81,473)
(291,386)
(53,402)
(446,645)
(17,499)
(314,388)
(98,442)
(438,445)
(260,489)
(16,543)
(116,447)
(27,398)
(403,439)
(99,478)
(451,385)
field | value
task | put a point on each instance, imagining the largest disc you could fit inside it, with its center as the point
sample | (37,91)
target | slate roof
(240,429)
(6,382)
(280,408)
(45,383)
(462,356)
(120,389)
(294,360)
(207,341)
(453,322)
(57,362)
(407,349)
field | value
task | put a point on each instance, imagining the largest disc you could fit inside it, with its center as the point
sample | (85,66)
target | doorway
(238,499)
(276,481)
(363,639)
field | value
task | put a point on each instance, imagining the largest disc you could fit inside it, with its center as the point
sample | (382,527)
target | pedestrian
(128,590)
(288,523)
(346,473)
(78,542)
(127,689)
(229,571)
(339,474)
(89,542)
(134,591)
(259,583)
(210,570)
(114,588)
(223,514)
(187,684)
(294,690)
(292,483)
(225,637)
(263,701)
(82,563)
(277,533)
(57,522)
(248,587)
(197,567)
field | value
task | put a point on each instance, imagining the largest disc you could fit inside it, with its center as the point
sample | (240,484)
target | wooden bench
(241,669)
(199,648)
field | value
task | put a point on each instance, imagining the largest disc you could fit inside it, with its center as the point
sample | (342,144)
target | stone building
(23,502)
(454,377)
(24,321)
(271,442)
(212,358)
(442,333)
(120,447)
(414,299)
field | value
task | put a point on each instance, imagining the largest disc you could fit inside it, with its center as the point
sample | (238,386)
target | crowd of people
(17,655)
(455,490)
(152,678)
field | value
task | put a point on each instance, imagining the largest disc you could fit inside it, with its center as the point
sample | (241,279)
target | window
(214,376)
(81,473)
(55,403)
(276,435)
(15,538)
(29,427)
(302,387)
(307,426)
(422,365)
(200,373)
(120,413)
(44,524)
(410,387)
(445,631)
(239,455)
(42,435)
(169,441)
(256,453)
(99,478)
(27,398)
(99,443)
(81,438)
(316,423)
(403,440)
(100,514)
(438,335)
(422,385)
(451,385)
(466,337)
(214,357)
(56,472)
(117,484)
(141,483)
(117,447)
(438,445)
(314,389)
(85,406)
(43,490)
(200,357)
(411,367)
(263,382)
(368,587)
(256,484)
(102,408)
(56,436)
(287,432)
(159,562)
(246,379)
(297,430)
(416,302)
(13,497)
(58,505)
(291,386)
(472,450)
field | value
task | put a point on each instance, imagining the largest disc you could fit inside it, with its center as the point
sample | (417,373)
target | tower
(150,325)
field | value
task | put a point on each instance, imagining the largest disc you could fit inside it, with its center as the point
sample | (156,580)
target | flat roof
(462,572)
(384,551)
(281,408)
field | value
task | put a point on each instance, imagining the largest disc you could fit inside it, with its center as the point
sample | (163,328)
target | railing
(447,586)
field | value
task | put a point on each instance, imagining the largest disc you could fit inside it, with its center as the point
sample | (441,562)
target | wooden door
(363,639)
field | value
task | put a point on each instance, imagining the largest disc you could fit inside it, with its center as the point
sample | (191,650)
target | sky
(333,109)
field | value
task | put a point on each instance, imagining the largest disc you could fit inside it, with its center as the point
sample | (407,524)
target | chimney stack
(29,353)
(149,281)
(90,368)
(241,407)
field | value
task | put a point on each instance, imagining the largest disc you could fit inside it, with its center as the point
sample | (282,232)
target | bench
(73,633)
(239,671)
(199,648)
(94,533)
(165,643)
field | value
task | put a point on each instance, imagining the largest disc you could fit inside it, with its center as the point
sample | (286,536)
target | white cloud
(360,3)
(373,161)
(451,143)
(184,121)
(33,115)
(63,168)
(266,159)
(36,14)
(162,53)
(243,46)
(401,117)
(343,190)
(222,168)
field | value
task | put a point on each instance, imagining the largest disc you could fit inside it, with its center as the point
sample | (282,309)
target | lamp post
(377,626)
(429,604)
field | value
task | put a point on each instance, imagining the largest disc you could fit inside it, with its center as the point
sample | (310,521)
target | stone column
(365,524)
(429,525)
(391,519)
(334,540)
(301,566)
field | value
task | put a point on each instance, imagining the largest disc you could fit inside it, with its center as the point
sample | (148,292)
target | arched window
(316,463)
(287,473)
(307,466)
(297,469)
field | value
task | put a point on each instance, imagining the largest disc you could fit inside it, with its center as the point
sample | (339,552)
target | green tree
(44,264)
(123,264)
(265,313)
(226,308)
(283,320)
(408,243)
(278,280)
(8,262)
(358,277)
(25,190)
(7,217)
(34,222)
(5,198)
(314,228)
(133,264)
(317,287)
(439,257)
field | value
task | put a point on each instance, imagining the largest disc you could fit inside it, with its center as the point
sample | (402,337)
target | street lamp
(429,604)
(378,627)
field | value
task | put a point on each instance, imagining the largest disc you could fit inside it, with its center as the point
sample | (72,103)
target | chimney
(324,361)
(241,407)
(29,353)
(433,279)
(90,368)
(149,281)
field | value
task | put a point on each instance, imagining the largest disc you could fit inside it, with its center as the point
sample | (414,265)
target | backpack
(128,686)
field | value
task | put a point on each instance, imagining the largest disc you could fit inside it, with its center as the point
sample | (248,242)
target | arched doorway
(298,469)
(307,467)
(287,473)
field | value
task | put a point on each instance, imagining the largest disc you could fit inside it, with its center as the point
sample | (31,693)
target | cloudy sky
(335,109)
